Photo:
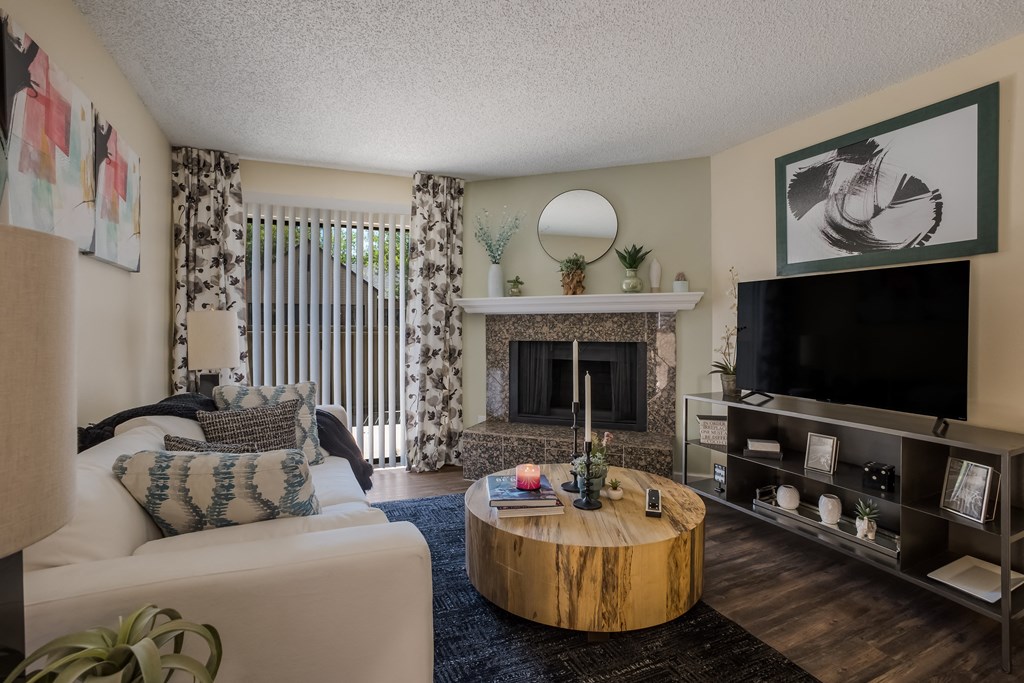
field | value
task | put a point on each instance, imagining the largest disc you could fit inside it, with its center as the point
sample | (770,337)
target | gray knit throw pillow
(270,428)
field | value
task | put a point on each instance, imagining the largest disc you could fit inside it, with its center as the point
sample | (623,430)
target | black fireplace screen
(540,383)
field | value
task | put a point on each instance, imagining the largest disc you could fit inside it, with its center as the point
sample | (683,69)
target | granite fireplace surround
(498,444)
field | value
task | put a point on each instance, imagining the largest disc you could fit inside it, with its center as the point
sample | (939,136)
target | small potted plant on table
(867,519)
(615,491)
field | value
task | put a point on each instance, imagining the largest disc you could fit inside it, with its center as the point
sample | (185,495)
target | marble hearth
(498,444)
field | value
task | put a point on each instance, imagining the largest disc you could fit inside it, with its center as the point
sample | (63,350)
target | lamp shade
(37,386)
(212,339)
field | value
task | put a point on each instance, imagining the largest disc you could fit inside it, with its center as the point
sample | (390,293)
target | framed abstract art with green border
(918,187)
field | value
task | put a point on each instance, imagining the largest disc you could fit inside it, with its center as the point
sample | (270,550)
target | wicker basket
(713,429)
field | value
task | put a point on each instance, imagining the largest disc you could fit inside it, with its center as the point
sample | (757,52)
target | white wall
(124,329)
(743,216)
(663,206)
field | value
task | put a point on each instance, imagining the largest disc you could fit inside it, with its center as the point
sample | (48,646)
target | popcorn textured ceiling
(488,88)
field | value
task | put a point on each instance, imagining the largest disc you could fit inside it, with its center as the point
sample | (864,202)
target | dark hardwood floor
(839,619)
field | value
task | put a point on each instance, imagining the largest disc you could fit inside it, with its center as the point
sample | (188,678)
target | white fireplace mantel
(668,302)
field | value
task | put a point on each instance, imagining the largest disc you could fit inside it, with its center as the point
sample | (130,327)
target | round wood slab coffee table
(612,569)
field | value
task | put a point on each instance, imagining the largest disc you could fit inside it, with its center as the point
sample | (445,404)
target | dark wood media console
(926,536)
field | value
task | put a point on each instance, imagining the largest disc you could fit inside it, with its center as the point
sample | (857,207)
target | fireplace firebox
(540,383)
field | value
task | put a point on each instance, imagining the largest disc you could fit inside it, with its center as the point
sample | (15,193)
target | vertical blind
(326,294)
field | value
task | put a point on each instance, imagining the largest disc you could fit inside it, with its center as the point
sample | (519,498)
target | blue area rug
(476,641)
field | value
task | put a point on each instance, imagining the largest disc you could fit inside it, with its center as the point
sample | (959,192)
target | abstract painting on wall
(917,187)
(47,129)
(118,199)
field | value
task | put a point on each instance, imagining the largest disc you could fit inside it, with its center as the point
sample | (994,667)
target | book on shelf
(530,510)
(764,455)
(502,491)
(769,445)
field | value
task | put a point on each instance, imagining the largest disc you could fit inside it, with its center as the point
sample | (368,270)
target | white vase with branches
(495,245)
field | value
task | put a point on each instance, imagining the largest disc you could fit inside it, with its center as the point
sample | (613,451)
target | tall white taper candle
(575,371)
(586,397)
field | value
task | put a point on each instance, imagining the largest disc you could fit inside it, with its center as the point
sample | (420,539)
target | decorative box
(879,476)
(713,429)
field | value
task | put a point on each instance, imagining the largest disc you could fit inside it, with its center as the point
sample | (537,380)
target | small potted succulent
(615,491)
(680,284)
(631,258)
(134,653)
(867,519)
(572,268)
(515,286)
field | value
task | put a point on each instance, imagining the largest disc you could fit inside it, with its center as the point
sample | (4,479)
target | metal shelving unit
(920,536)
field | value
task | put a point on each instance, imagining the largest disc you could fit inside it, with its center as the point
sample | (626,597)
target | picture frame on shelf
(970,489)
(822,453)
(719,478)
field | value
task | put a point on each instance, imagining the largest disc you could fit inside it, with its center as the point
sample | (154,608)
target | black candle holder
(584,502)
(570,486)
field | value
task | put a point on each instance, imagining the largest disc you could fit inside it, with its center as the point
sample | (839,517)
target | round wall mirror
(577,221)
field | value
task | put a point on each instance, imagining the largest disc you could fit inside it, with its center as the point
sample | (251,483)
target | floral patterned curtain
(209,253)
(433,331)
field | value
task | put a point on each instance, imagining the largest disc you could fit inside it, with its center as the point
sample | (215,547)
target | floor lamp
(212,344)
(37,410)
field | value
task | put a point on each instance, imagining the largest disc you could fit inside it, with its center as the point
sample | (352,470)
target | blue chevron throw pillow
(185,492)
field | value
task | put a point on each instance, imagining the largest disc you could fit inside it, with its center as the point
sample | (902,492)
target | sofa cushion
(270,427)
(340,516)
(167,424)
(107,522)
(237,396)
(180,443)
(335,483)
(185,492)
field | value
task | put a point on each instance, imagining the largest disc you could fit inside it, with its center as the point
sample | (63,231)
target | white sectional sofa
(339,596)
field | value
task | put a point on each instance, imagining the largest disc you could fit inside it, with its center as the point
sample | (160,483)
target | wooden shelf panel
(709,446)
(930,506)
(847,477)
(918,574)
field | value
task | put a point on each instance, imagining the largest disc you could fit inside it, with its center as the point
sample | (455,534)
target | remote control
(653,503)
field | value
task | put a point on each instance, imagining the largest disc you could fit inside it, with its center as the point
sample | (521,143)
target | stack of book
(763,448)
(510,501)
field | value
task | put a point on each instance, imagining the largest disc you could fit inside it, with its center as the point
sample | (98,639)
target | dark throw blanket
(179,405)
(335,438)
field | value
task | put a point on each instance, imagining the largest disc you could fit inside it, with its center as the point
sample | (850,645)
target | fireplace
(540,383)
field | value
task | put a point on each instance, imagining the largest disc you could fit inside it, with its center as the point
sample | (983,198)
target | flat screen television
(891,338)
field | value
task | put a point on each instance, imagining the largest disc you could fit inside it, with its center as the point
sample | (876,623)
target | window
(326,292)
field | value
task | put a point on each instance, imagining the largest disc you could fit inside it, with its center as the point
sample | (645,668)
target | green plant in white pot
(131,654)
(867,519)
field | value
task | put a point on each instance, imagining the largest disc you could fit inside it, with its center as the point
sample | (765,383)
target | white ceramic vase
(654,275)
(830,508)
(866,528)
(615,494)
(495,281)
(787,497)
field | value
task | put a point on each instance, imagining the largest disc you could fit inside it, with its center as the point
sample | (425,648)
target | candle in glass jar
(527,477)
(575,371)
(586,397)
